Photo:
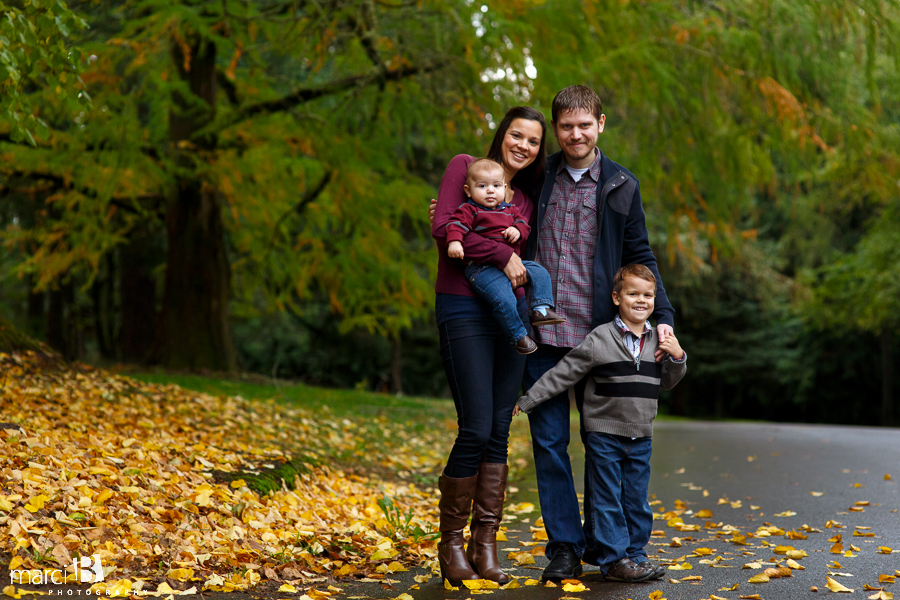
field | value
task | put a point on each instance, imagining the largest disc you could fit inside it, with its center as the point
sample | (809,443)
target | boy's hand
(455,250)
(516,410)
(671,346)
(431,208)
(512,234)
(663,330)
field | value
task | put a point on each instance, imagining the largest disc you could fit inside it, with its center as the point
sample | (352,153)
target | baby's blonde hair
(483,165)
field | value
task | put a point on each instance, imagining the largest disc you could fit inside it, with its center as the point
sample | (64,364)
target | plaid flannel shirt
(566,244)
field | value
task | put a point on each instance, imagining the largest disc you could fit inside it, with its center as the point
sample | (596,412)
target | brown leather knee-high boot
(455,506)
(487,511)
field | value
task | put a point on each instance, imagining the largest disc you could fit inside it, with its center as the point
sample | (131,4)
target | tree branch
(298,208)
(60,183)
(308,94)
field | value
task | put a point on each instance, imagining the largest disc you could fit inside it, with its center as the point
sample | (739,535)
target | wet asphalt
(800,478)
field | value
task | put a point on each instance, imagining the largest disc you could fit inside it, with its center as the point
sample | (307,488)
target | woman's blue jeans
(492,286)
(485,375)
(618,478)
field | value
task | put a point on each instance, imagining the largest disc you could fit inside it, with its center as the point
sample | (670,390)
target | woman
(483,369)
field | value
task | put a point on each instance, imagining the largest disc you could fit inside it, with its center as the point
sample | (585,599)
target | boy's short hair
(483,165)
(577,97)
(632,270)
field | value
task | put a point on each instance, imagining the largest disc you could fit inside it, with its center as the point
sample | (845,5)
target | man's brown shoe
(626,569)
(526,345)
(551,318)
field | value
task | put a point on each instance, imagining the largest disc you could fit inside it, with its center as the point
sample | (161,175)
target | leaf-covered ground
(163,484)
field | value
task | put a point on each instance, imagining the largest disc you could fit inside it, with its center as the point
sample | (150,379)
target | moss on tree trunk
(11,339)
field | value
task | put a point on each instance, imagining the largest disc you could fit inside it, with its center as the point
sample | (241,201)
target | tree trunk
(137,293)
(102,308)
(35,309)
(194,331)
(396,365)
(887,379)
(56,329)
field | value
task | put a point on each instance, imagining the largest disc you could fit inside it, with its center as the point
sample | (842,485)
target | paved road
(771,470)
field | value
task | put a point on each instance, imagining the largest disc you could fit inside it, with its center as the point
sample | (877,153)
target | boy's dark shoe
(551,318)
(565,564)
(627,570)
(526,345)
(658,571)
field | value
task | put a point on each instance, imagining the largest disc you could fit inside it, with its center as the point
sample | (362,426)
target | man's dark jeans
(492,286)
(549,422)
(617,470)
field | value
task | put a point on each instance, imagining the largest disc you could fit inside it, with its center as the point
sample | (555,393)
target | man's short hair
(483,165)
(632,270)
(577,97)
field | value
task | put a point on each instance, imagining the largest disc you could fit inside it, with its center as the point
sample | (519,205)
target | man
(590,222)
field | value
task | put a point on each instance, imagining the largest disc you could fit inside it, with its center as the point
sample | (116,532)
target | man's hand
(515,271)
(664,332)
(431,208)
(455,250)
(672,347)
(512,234)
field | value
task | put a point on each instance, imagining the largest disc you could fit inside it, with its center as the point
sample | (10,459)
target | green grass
(339,402)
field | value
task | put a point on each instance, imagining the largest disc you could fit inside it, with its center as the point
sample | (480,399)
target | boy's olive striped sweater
(621,393)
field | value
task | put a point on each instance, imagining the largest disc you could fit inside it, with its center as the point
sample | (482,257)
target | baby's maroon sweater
(450,277)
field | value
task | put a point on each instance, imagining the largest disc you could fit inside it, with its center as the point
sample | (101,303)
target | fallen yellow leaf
(571,587)
(286,587)
(704,514)
(759,578)
(180,574)
(834,586)
(532,582)
(729,589)
(684,566)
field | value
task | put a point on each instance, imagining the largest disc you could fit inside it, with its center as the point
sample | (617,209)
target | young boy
(619,407)
(488,214)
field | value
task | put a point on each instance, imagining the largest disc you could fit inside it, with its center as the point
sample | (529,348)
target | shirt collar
(593,170)
(500,206)
(623,328)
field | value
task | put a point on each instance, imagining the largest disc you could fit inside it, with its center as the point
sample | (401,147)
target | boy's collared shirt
(569,235)
(635,344)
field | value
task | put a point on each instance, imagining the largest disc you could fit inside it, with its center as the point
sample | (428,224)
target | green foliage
(35,61)
(400,526)
(860,290)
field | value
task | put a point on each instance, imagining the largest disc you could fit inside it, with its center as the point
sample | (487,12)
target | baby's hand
(512,234)
(455,250)
(672,347)
(431,208)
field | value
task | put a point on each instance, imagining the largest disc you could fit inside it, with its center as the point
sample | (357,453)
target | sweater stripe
(628,390)
(648,368)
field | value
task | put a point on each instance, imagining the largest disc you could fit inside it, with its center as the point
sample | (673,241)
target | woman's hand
(517,411)
(431,209)
(515,271)
(455,250)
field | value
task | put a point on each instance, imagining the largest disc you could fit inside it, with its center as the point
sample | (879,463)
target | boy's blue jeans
(618,478)
(491,285)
